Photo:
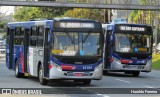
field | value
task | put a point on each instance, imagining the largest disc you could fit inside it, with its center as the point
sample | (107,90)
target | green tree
(27,13)
(96,14)
(143,16)
(2,25)
(53,12)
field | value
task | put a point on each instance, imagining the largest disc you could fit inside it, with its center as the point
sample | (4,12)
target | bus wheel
(87,81)
(42,80)
(17,73)
(136,73)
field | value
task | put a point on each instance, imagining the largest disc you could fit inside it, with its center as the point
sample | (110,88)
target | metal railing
(109,4)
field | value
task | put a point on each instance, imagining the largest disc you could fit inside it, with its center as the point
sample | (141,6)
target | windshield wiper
(83,41)
(69,36)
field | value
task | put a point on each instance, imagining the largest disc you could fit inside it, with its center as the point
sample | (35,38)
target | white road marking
(152,88)
(149,87)
(123,81)
(106,96)
(103,95)
(99,94)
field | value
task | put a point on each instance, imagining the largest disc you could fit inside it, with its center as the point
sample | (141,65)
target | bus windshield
(76,44)
(132,43)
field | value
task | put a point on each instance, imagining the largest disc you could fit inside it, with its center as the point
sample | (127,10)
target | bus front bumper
(59,74)
(117,66)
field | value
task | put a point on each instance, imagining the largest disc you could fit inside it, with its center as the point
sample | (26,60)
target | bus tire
(42,80)
(87,81)
(135,73)
(17,73)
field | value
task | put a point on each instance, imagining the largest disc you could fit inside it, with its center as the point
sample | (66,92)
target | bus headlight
(98,67)
(149,62)
(116,59)
(56,66)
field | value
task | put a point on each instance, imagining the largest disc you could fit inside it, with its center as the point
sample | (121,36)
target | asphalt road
(114,81)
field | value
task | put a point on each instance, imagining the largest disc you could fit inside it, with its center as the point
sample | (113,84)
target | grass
(156,62)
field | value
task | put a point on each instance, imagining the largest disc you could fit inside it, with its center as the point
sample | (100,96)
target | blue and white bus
(62,48)
(127,48)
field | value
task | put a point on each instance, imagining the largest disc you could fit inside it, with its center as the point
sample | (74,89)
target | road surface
(69,88)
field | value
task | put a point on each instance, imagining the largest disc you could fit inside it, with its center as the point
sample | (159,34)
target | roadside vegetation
(50,13)
(156,62)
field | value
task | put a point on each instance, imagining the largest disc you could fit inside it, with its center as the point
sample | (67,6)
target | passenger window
(34,31)
(40,42)
(16,41)
(21,41)
(17,31)
(41,31)
(33,41)
(22,32)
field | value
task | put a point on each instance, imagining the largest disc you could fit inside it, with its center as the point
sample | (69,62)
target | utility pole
(107,13)
(156,27)
(107,16)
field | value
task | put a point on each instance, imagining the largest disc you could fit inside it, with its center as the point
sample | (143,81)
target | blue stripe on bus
(78,67)
(136,61)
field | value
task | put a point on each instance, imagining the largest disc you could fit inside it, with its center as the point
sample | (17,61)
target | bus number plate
(78,74)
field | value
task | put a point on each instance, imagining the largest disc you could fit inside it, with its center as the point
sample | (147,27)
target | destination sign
(75,25)
(128,28)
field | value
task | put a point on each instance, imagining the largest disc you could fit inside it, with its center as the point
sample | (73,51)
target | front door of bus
(107,50)
(9,48)
(26,44)
(46,52)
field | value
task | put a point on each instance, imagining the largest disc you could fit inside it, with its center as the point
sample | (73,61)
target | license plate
(133,67)
(78,74)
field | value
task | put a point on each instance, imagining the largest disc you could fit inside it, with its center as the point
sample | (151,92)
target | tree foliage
(27,13)
(141,16)
(96,14)
(2,24)
(146,17)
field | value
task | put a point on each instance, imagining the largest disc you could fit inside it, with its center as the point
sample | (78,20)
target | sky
(7,9)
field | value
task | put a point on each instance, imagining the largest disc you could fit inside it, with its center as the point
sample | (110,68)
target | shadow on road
(67,83)
(121,74)
(62,83)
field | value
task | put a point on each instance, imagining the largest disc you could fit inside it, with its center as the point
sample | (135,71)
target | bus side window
(22,31)
(33,36)
(33,41)
(21,41)
(40,36)
(21,37)
(17,31)
(8,36)
(41,31)
(16,36)
(34,31)
(16,41)
(40,42)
